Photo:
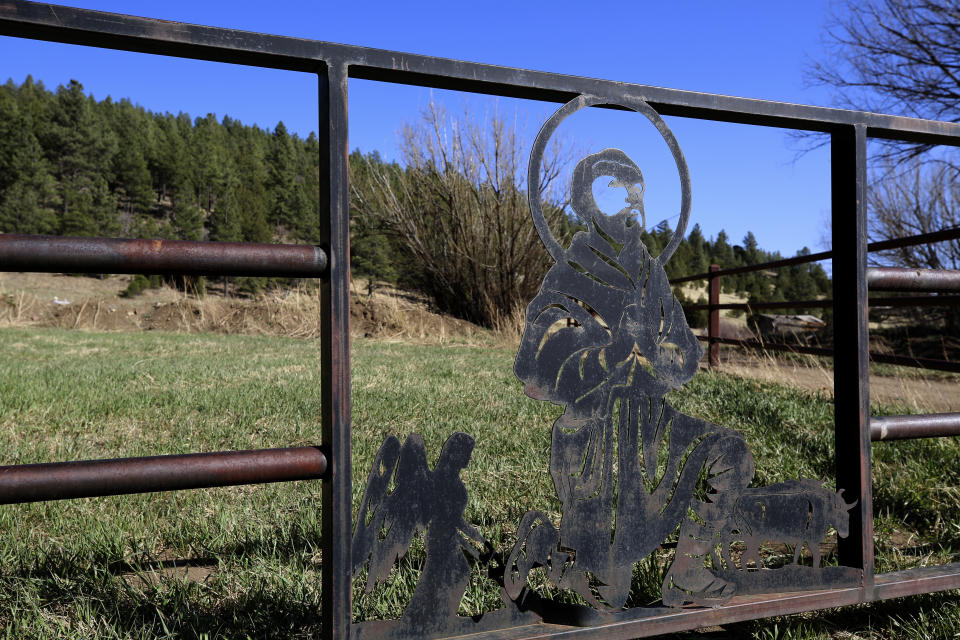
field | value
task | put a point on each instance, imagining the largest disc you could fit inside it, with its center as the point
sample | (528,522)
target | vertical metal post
(336,577)
(851,384)
(713,326)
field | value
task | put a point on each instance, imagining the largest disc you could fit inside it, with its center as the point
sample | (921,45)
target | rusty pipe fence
(333,65)
(881,279)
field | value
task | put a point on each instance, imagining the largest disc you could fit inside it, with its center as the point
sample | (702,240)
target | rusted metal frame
(465,77)
(336,576)
(89,478)
(740,609)
(69,25)
(932,425)
(59,254)
(713,324)
(915,581)
(851,358)
(129,33)
(902,279)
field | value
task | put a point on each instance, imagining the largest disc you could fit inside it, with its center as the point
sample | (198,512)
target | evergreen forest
(72,165)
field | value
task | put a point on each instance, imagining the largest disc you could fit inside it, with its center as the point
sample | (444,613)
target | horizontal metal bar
(931,425)
(740,608)
(95,28)
(910,241)
(920,363)
(753,306)
(89,478)
(900,279)
(56,23)
(626,624)
(905,301)
(916,301)
(786,262)
(117,255)
(915,581)
(881,245)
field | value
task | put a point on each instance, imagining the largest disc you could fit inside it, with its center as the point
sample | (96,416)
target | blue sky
(744,178)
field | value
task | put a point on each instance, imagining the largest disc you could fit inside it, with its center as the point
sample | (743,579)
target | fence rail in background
(333,64)
(889,279)
(881,245)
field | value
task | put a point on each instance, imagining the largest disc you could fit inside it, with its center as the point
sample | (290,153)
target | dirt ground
(87,303)
(913,391)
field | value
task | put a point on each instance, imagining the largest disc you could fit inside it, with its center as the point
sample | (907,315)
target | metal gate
(622,344)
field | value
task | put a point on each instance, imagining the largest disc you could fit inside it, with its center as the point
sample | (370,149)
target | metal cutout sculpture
(606,339)
(421,500)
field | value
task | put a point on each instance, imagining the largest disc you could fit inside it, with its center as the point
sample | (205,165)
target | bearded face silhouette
(605,316)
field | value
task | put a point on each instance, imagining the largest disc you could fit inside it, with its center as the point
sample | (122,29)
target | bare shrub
(459,209)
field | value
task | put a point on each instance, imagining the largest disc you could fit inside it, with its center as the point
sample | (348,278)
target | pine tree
(699,261)
(135,134)
(721,252)
(289,208)
(188,221)
(85,149)
(28,205)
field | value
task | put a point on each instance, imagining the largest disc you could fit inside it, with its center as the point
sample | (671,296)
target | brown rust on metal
(933,425)
(89,478)
(901,279)
(742,608)
(60,254)
(336,577)
(65,24)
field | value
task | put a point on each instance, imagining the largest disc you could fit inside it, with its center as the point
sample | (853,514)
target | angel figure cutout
(421,500)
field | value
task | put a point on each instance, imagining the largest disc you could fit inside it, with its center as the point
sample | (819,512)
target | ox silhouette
(795,512)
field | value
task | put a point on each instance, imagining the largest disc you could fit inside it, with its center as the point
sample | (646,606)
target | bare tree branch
(459,208)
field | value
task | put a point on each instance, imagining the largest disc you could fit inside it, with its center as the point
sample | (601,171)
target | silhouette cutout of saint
(607,339)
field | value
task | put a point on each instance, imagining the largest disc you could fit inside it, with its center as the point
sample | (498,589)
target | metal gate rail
(59,254)
(333,64)
(89,478)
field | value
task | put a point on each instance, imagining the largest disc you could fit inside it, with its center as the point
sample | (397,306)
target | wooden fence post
(713,327)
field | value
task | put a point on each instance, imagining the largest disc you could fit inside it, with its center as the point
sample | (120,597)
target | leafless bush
(459,208)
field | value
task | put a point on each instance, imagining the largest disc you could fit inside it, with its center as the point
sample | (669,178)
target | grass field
(245,561)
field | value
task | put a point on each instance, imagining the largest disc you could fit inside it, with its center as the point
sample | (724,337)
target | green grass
(85,568)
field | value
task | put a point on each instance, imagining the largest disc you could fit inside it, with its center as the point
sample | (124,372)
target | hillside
(28,300)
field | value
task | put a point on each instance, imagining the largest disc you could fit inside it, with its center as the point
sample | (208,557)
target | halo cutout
(540,144)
